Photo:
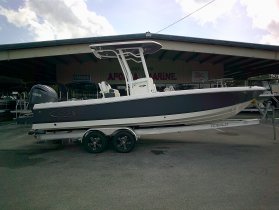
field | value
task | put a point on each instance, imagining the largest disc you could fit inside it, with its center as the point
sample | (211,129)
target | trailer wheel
(95,141)
(123,141)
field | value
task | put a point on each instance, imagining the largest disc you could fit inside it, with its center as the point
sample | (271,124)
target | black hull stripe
(145,107)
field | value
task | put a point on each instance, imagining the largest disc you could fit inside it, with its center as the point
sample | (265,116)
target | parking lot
(232,168)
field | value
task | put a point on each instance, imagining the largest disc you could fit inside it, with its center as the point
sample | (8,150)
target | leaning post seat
(107,91)
(143,86)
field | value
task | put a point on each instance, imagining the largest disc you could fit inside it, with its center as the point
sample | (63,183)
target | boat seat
(107,91)
(169,88)
(143,86)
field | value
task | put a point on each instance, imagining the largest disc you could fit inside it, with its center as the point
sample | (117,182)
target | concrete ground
(232,168)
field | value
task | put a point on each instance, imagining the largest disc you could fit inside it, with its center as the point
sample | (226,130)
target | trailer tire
(123,141)
(95,141)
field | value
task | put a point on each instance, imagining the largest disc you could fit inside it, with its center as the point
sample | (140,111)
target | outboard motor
(41,94)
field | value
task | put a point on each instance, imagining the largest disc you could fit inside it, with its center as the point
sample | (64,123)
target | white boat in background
(143,106)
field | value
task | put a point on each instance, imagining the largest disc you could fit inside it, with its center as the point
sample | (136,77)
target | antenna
(186,16)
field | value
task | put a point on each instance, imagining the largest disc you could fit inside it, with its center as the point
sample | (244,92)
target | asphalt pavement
(231,168)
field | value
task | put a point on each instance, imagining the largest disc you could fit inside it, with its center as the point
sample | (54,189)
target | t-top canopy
(109,50)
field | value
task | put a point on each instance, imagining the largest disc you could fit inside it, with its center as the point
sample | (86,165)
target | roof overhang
(239,59)
(176,43)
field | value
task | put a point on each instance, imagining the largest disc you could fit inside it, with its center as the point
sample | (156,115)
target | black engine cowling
(42,94)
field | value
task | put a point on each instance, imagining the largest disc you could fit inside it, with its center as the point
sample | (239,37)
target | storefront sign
(81,77)
(160,76)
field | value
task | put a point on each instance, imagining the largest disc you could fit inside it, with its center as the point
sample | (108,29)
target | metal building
(182,60)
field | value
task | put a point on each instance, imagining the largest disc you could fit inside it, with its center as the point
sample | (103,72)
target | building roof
(240,60)
(140,36)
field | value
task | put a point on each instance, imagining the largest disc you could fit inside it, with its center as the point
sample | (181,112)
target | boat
(143,105)
(7,105)
(8,102)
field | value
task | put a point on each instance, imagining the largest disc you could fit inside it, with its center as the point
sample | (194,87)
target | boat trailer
(123,139)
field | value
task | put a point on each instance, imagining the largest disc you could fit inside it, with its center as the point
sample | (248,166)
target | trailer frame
(124,138)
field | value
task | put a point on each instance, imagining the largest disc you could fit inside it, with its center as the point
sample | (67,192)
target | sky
(232,20)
